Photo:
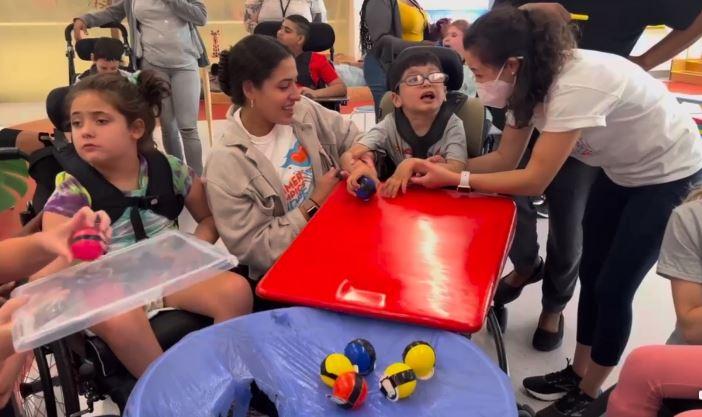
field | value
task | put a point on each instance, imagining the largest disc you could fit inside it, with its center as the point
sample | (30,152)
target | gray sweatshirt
(193,12)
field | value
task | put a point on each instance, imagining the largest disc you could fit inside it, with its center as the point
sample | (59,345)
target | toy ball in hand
(87,244)
(398,382)
(349,391)
(333,366)
(420,356)
(362,354)
(367,189)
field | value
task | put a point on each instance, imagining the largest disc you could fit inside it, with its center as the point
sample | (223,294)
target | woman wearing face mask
(605,111)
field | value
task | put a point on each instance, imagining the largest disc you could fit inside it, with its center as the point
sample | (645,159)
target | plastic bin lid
(88,293)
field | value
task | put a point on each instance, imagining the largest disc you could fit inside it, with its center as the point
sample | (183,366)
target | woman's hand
(324,186)
(431,175)
(58,240)
(399,180)
(80,29)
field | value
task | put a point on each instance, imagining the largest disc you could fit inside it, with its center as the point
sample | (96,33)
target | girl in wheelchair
(116,166)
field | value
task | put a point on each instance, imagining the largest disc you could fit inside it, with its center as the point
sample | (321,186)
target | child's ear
(137,129)
(396,99)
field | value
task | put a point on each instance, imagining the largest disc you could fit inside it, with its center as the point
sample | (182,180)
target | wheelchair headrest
(322,36)
(110,47)
(451,64)
(85,47)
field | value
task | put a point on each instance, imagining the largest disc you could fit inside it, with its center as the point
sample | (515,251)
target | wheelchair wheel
(47,387)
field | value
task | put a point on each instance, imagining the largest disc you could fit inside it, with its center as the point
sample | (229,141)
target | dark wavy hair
(543,43)
(254,58)
(140,101)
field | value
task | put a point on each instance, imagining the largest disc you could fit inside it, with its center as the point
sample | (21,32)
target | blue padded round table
(209,372)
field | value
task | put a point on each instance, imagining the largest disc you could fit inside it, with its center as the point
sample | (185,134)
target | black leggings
(622,233)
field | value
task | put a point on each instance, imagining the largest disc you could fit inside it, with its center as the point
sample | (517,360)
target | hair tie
(134,78)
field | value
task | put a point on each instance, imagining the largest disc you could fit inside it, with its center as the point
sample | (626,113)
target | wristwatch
(312,210)
(464,184)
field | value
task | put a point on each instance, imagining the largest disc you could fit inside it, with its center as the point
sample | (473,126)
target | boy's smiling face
(426,97)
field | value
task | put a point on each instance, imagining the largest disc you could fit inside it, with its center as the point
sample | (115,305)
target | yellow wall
(32,56)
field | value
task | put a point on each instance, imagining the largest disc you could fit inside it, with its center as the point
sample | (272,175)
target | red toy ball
(87,244)
(350,390)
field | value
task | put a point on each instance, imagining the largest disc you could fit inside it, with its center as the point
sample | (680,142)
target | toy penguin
(334,365)
(420,356)
(349,391)
(362,354)
(398,382)
(367,188)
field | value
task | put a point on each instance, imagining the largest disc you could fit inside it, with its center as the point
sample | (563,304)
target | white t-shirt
(272,10)
(290,160)
(631,125)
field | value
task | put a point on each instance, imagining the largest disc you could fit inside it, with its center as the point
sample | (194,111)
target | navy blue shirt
(616,25)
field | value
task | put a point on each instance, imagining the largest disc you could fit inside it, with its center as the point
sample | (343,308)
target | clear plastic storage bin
(89,293)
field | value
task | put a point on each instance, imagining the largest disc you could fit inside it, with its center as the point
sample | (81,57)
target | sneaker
(551,387)
(573,404)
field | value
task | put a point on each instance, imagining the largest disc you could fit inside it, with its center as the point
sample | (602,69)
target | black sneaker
(551,387)
(573,404)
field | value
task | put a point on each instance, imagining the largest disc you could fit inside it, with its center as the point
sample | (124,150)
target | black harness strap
(420,145)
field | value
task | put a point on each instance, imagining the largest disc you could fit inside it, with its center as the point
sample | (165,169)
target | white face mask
(495,93)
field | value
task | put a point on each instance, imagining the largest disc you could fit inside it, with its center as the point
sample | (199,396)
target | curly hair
(134,101)
(543,43)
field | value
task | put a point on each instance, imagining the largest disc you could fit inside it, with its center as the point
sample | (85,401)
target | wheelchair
(83,49)
(81,364)
(321,39)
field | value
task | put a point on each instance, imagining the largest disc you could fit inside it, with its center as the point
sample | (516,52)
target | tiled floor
(653,311)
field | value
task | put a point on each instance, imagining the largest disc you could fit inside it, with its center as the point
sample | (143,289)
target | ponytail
(543,43)
(137,96)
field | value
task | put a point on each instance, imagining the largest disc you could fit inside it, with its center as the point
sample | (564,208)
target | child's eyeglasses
(434,78)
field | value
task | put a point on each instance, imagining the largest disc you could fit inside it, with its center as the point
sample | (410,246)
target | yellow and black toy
(420,356)
(334,365)
(398,382)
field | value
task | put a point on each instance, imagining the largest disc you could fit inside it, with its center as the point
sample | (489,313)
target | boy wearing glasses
(413,131)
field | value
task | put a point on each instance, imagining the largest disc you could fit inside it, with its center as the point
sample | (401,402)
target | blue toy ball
(362,354)
(367,189)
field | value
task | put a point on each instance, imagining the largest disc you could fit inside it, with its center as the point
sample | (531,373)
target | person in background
(165,39)
(388,27)
(107,57)
(613,27)
(256,11)
(653,373)
(454,40)
(315,74)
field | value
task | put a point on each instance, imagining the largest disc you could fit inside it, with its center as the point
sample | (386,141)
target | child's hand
(58,240)
(399,180)
(437,159)
(360,169)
